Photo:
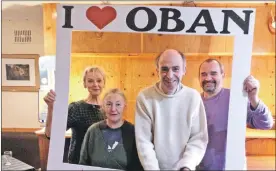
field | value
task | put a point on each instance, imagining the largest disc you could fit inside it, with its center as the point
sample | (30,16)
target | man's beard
(209,89)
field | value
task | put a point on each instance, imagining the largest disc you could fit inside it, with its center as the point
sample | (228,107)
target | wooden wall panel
(155,43)
(43,151)
(261,163)
(110,65)
(263,68)
(260,147)
(104,42)
(49,21)
(263,40)
(132,74)
(20,129)
(122,72)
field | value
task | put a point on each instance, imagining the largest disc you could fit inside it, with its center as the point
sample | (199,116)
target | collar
(179,87)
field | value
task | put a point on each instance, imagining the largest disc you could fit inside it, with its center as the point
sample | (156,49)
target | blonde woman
(111,143)
(81,114)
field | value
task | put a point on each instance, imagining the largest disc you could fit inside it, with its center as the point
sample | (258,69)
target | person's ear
(223,75)
(222,70)
(84,85)
(184,70)
(157,72)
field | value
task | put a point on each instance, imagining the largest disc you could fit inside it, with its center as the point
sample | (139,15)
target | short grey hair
(159,55)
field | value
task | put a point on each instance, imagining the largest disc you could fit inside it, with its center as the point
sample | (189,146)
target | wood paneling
(133,73)
(49,21)
(91,42)
(19,129)
(260,147)
(263,68)
(260,142)
(264,41)
(259,133)
(154,43)
(261,163)
(43,143)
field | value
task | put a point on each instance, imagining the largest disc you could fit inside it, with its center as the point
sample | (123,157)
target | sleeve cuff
(187,164)
(258,109)
(182,169)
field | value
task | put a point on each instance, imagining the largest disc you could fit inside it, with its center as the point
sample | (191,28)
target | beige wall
(20,109)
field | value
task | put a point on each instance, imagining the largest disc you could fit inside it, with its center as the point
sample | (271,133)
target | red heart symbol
(101,17)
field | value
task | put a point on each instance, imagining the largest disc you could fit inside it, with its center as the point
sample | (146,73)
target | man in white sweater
(170,120)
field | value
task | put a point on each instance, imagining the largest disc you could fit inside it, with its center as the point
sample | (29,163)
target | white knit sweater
(171,130)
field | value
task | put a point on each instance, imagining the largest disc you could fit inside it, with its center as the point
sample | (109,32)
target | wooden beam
(20,129)
(153,55)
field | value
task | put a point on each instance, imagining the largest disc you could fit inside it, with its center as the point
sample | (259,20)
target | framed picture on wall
(20,72)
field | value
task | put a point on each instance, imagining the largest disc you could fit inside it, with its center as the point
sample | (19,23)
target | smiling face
(170,70)
(113,107)
(211,77)
(94,82)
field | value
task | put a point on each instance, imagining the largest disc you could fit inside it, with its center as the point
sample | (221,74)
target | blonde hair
(114,91)
(93,69)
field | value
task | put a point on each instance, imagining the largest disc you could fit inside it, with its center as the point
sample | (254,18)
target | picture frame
(20,72)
